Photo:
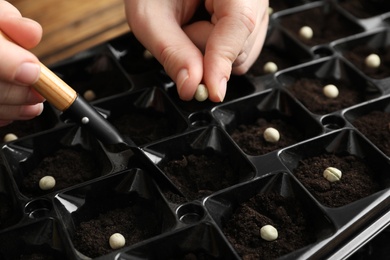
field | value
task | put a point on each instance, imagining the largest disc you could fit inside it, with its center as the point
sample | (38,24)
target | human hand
(203,51)
(18,67)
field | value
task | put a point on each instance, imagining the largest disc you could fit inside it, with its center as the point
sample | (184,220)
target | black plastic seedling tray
(200,180)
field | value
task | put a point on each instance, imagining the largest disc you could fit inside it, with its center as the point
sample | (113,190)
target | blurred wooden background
(70,26)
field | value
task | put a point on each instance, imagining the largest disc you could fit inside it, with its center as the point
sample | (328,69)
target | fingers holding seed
(201,93)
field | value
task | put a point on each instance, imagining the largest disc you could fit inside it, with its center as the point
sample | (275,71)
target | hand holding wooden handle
(51,87)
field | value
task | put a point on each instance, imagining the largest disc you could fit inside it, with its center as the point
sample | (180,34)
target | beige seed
(332,174)
(271,135)
(270,67)
(373,61)
(330,91)
(201,93)
(270,10)
(306,33)
(148,55)
(10,137)
(47,183)
(117,241)
(89,95)
(269,233)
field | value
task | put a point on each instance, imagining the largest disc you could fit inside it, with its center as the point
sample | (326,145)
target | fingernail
(27,73)
(222,89)
(182,76)
(31,111)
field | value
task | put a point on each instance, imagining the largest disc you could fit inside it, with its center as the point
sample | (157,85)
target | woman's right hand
(19,68)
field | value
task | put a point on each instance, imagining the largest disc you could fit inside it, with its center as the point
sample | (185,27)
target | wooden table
(70,26)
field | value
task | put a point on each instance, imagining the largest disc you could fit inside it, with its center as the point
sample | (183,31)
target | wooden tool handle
(54,89)
(51,87)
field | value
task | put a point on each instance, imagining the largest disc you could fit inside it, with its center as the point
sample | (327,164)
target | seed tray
(200,180)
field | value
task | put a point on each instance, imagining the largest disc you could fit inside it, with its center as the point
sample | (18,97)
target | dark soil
(287,215)
(310,93)
(365,8)
(357,181)
(69,166)
(249,137)
(144,127)
(24,128)
(358,54)
(197,176)
(376,127)
(98,74)
(91,237)
(327,26)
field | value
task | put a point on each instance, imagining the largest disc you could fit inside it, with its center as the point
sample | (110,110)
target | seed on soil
(47,183)
(271,135)
(117,241)
(269,233)
(330,91)
(332,174)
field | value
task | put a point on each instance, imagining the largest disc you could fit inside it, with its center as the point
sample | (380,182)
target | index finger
(234,22)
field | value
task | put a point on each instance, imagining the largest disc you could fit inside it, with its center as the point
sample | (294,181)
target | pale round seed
(332,174)
(270,67)
(47,183)
(306,33)
(117,241)
(269,233)
(89,95)
(270,10)
(271,135)
(148,55)
(373,61)
(330,91)
(10,137)
(201,93)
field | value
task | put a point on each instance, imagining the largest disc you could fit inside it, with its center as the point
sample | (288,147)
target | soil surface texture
(197,176)
(286,215)
(357,181)
(376,127)
(249,137)
(91,237)
(309,91)
(327,26)
(358,54)
(68,166)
